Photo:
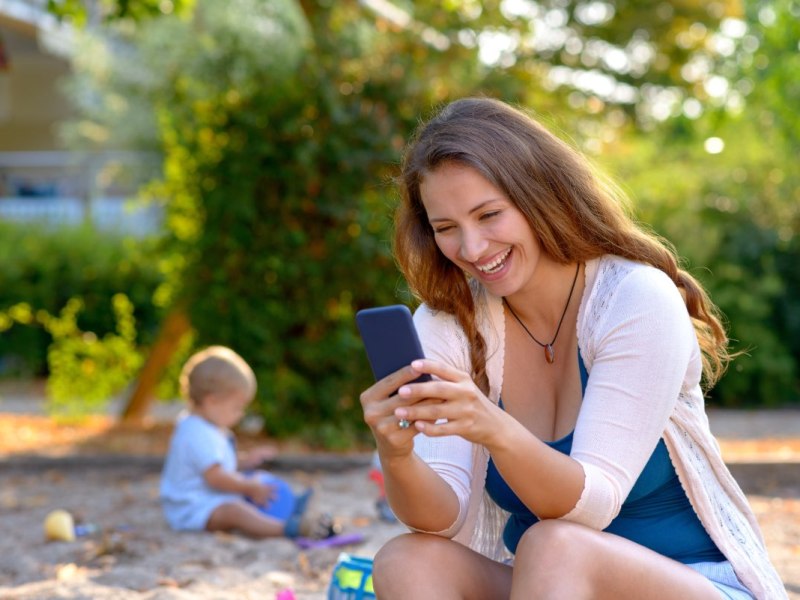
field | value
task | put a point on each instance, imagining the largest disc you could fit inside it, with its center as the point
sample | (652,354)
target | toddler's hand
(260,493)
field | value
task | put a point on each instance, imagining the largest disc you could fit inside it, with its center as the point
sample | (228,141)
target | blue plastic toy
(282,503)
(351,579)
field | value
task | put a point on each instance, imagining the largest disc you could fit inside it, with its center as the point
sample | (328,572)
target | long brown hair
(575,212)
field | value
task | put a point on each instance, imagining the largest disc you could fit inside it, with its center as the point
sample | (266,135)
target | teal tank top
(656,514)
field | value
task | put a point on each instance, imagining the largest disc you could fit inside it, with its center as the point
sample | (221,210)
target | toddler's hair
(213,370)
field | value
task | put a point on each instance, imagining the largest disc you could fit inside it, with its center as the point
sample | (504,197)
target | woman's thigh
(422,566)
(559,559)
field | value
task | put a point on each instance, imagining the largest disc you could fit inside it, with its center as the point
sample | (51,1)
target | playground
(106,476)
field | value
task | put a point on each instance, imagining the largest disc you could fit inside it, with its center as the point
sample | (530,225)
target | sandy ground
(93,473)
(135,555)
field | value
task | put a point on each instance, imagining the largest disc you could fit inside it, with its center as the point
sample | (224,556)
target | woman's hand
(467,410)
(418,495)
(379,404)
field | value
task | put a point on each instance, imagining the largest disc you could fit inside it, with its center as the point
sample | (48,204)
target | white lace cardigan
(638,343)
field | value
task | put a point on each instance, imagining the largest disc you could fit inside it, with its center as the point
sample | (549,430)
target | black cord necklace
(549,352)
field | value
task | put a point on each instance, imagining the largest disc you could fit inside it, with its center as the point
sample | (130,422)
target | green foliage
(44,269)
(735,217)
(83,11)
(276,209)
(771,69)
(280,131)
(85,372)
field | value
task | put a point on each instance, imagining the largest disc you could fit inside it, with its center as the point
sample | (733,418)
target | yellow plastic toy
(59,525)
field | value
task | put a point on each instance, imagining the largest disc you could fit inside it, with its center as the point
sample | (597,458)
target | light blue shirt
(186,498)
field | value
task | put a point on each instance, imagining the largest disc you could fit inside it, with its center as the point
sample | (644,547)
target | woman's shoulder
(615,272)
(426,317)
(624,287)
(484,304)
(633,297)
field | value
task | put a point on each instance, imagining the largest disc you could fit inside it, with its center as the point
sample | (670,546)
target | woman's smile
(495,265)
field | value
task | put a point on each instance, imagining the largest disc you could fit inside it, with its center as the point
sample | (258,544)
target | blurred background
(177,173)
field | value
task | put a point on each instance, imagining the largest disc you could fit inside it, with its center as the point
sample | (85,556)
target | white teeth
(495,265)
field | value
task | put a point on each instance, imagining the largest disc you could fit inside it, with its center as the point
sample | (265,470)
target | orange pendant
(549,354)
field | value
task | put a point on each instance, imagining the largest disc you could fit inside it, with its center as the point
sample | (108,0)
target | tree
(281,125)
(723,186)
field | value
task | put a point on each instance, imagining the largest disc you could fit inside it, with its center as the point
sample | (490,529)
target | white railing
(113,214)
(68,188)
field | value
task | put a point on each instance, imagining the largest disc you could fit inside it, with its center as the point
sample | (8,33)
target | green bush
(45,268)
(755,283)
(277,147)
(734,218)
(277,151)
(293,234)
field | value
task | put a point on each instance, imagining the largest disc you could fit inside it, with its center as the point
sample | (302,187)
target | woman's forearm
(548,482)
(419,496)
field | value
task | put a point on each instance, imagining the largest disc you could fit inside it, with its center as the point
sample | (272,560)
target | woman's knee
(389,552)
(398,554)
(418,565)
(554,560)
(554,545)
(398,558)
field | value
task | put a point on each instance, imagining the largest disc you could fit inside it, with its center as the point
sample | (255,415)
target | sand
(134,555)
(109,477)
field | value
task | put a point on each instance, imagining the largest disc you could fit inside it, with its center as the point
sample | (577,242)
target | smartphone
(390,339)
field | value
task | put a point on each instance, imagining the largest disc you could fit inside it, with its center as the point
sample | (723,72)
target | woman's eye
(442,229)
(489,215)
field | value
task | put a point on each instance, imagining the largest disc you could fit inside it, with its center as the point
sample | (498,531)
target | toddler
(202,486)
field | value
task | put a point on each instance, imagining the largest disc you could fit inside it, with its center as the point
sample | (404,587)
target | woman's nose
(473,245)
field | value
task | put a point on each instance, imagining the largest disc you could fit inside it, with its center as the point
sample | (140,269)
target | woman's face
(479,229)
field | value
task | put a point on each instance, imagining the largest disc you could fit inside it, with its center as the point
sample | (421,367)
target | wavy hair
(576,213)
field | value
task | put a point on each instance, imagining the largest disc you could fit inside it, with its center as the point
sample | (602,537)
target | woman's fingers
(379,403)
(388,419)
(381,399)
(439,369)
(398,399)
(431,413)
(413,393)
(388,386)
(450,404)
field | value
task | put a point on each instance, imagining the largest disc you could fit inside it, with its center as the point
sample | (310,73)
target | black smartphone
(390,339)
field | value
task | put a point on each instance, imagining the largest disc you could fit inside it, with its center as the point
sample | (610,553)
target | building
(41,179)
(34,58)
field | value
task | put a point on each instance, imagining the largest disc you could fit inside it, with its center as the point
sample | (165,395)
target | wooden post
(175,326)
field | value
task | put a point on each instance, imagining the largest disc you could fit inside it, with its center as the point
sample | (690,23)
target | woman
(563,441)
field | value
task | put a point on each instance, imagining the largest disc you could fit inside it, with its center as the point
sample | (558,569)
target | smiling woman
(597,449)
